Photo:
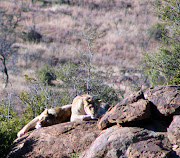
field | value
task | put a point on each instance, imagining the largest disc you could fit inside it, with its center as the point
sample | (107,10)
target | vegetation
(74,79)
(75,82)
(46,75)
(9,126)
(162,66)
(75,155)
(37,98)
(8,23)
(157,31)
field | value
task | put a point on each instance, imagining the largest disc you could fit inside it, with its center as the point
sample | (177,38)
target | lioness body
(48,117)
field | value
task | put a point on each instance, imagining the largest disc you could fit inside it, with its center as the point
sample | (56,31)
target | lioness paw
(38,125)
(20,133)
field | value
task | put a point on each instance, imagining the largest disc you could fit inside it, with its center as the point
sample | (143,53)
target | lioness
(48,117)
(85,107)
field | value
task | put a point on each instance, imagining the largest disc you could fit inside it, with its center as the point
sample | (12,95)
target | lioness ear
(45,112)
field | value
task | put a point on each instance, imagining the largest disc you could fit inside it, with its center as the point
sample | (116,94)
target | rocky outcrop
(165,98)
(129,142)
(59,140)
(174,130)
(157,105)
(129,113)
(142,125)
(132,108)
(173,133)
(154,111)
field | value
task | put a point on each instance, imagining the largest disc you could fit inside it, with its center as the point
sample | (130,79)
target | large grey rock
(131,112)
(59,140)
(174,130)
(165,98)
(131,109)
(126,142)
(173,133)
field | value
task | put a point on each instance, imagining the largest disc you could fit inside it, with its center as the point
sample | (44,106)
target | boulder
(165,98)
(174,130)
(130,109)
(131,112)
(148,149)
(61,140)
(122,142)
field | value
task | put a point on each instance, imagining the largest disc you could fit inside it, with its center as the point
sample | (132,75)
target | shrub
(9,126)
(162,66)
(157,31)
(46,74)
(175,80)
(38,97)
(35,104)
(75,80)
(32,36)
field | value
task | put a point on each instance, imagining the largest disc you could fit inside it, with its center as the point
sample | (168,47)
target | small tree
(86,55)
(8,24)
(74,82)
(5,51)
(84,77)
(162,66)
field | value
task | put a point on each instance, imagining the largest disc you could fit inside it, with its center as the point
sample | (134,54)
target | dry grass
(124,28)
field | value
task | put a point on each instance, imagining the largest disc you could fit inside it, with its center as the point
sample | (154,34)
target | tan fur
(84,107)
(48,117)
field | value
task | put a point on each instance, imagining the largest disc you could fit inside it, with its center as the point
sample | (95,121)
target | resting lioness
(48,117)
(85,107)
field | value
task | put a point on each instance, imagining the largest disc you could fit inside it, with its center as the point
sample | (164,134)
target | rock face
(174,130)
(56,141)
(165,98)
(141,125)
(173,133)
(131,112)
(131,109)
(128,142)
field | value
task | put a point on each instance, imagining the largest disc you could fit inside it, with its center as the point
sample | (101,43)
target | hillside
(122,27)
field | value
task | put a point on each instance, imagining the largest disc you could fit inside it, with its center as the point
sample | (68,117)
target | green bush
(175,80)
(75,155)
(9,126)
(46,74)
(162,66)
(76,82)
(37,99)
(157,31)
(35,104)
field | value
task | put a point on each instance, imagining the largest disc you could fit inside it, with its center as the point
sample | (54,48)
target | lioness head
(45,119)
(91,106)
